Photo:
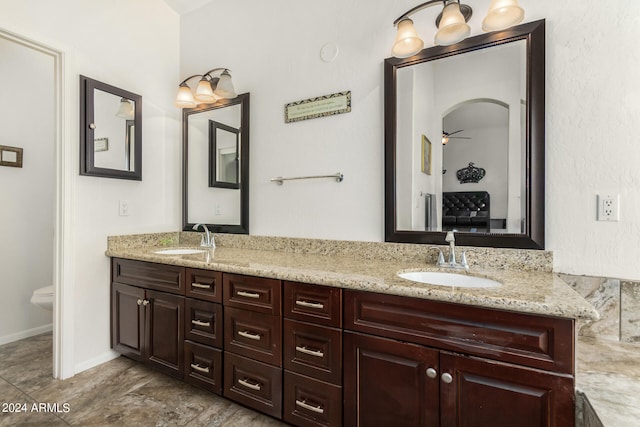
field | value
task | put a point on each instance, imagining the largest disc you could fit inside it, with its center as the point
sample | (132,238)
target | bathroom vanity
(319,340)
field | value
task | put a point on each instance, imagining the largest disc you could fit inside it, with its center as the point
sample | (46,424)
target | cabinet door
(127,320)
(165,332)
(389,383)
(480,393)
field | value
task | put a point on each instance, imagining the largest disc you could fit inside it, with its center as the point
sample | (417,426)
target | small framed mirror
(110,131)
(224,155)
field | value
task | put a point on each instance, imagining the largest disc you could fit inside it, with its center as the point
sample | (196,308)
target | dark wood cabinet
(203,366)
(203,322)
(309,402)
(165,332)
(205,285)
(253,342)
(387,383)
(148,326)
(312,355)
(127,320)
(483,392)
(323,356)
(254,384)
(394,379)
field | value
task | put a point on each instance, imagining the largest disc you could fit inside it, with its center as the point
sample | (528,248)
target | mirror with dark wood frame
(213,134)
(224,155)
(110,131)
(429,161)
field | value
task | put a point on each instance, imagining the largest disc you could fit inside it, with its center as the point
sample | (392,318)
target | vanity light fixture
(452,24)
(209,90)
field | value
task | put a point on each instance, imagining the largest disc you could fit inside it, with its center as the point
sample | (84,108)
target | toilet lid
(46,291)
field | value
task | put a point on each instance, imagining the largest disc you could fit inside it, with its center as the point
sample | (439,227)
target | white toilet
(43,298)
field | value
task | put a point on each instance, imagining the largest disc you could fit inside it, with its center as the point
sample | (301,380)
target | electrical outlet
(123,208)
(609,207)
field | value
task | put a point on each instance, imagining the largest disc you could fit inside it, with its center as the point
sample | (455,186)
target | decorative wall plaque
(10,156)
(327,105)
(470,174)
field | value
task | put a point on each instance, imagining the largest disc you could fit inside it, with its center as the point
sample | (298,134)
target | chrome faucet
(208,239)
(451,263)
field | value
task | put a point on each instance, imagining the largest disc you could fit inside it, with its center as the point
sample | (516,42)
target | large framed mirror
(110,131)
(215,143)
(464,141)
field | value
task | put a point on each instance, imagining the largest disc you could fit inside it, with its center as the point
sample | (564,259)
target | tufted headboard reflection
(466,211)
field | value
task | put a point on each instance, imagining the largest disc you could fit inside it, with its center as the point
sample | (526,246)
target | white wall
(134,46)
(27,193)
(592,110)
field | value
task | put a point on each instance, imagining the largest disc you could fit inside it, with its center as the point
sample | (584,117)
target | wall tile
(604,295)
(630,316)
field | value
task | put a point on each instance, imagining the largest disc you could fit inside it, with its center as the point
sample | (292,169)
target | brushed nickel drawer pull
(200,286)
(248,294)
(305,350)
(310,304)
(249,335)
(200,323)
(200,368)
(249,385)
(305,405)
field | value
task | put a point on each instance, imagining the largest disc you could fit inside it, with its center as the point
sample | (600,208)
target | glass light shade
(224,88)
(453,27)
(445,139)
(184,98)
(502,14)
(204,92)
(407,41)
(126,110)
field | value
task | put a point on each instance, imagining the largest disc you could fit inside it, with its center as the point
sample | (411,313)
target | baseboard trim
(99,360)
(26,334)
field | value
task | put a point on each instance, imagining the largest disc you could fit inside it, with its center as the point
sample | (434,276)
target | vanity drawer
(313,303)
(254,384)
(203,366)
(309,402)
(312,350)
(204,284)
(252,293)
(203,322)
(525,339)
(254,335)
(160,277)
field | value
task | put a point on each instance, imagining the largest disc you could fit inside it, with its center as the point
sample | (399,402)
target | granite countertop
(522,291)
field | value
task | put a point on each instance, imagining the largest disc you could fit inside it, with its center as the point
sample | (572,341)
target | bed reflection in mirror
(476,118)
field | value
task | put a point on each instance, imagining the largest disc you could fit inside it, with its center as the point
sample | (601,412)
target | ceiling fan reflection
(446,136)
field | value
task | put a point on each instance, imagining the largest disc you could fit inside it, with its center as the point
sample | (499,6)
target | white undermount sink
(449,279)
(179,251)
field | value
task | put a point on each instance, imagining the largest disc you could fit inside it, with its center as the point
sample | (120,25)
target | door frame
(63,360)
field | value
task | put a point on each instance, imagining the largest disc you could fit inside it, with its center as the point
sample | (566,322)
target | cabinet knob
(447,378)
(432,373)
(145,302)
(139,302)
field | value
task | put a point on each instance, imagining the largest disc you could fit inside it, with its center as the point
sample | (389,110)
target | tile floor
(117,393)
